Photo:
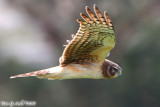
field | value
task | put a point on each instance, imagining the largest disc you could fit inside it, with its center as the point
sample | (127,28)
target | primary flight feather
(85,55)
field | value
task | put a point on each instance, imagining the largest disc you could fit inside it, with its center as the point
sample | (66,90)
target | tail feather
(34,73)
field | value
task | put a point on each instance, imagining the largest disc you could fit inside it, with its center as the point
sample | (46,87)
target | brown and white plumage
(85,55)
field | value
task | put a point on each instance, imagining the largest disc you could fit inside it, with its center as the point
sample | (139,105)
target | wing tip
(95,6)
(93,18)
(86,18)
(99,15)
(91,14)
(80,21)
(86,7)
(108,19)
(103,19)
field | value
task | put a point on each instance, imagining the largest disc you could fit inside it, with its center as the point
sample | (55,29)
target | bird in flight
(85,55)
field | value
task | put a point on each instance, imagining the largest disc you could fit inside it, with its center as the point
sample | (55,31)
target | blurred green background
(32,35)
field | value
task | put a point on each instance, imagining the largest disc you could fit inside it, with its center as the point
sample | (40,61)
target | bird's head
(111,69)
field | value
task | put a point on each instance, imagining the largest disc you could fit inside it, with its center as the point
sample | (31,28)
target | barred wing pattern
(93,41)
(84,56)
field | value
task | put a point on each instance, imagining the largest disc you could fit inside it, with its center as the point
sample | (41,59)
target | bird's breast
(73,71)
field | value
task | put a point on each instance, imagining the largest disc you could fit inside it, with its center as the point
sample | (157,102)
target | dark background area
(32,35)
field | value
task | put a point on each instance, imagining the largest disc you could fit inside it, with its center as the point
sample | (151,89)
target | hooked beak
(120,71)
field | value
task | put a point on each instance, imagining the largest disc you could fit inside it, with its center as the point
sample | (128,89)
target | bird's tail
(34,73)
(51,73)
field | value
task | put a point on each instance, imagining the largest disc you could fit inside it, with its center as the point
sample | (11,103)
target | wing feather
(91,15)
(99,15)
(93,41)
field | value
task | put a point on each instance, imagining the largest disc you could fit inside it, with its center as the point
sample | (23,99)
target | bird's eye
(115,69)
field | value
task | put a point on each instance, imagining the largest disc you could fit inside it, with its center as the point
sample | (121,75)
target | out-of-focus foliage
(32,35)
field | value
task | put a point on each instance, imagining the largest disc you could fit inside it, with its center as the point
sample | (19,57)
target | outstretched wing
(93,41)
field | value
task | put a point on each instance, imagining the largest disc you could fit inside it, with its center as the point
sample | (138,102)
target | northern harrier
(85,55)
